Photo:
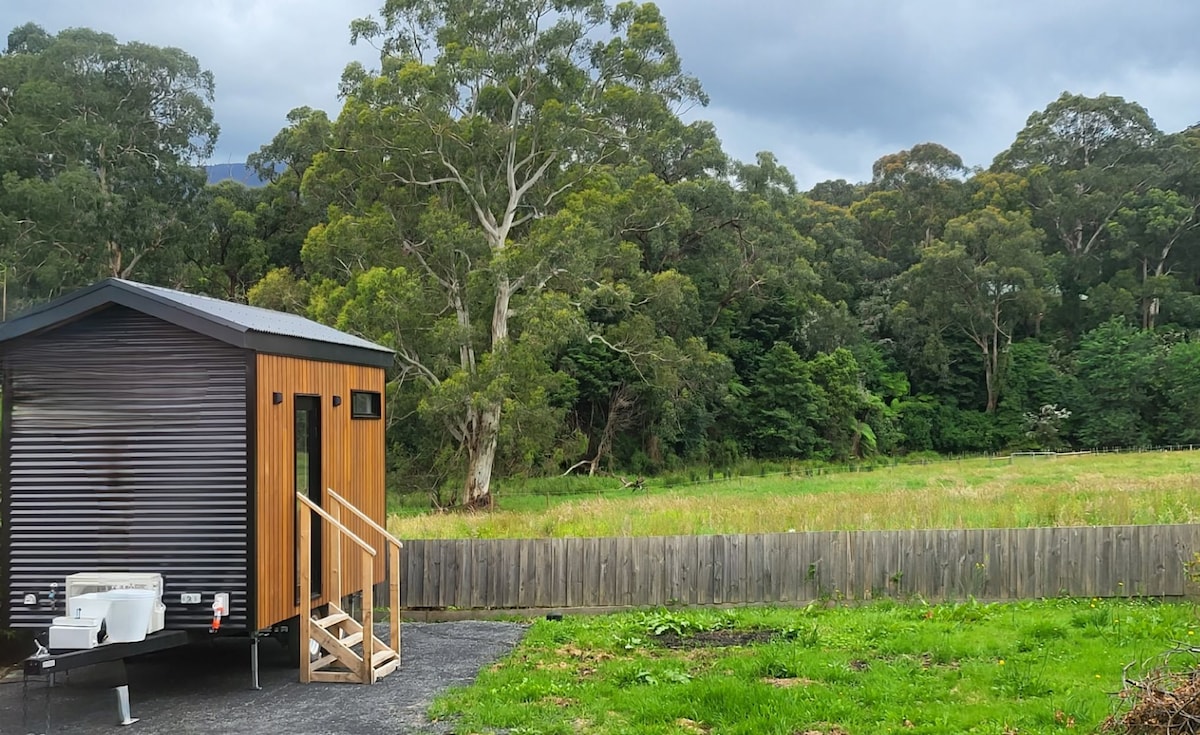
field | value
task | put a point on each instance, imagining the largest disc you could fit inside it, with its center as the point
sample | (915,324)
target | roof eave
(279,344)
(110,292)
(106,293)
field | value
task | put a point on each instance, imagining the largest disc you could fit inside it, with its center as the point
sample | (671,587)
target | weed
(661,622)
(1022,680)
(1093,619)
(971,611)
(806,636)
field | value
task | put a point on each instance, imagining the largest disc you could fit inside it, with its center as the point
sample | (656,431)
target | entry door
(308,481)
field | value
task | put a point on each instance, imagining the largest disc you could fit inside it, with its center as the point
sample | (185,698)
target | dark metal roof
(248,327)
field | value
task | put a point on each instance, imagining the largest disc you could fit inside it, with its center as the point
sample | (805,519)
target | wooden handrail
(387,536)
(394,547)
(353,537)
(363,668)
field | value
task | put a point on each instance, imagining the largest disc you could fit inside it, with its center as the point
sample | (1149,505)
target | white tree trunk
(481,453)
(485,432)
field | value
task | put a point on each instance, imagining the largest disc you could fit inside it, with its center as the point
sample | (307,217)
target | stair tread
(386,668)
(330,620)
(382,657)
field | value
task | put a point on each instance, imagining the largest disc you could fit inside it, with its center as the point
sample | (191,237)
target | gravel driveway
(206,689)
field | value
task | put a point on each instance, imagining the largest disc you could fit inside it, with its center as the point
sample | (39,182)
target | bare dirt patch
(716,638)
(788,683)
(697,728)
(580,654)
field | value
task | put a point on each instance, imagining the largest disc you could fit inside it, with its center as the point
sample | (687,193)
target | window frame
(374,412)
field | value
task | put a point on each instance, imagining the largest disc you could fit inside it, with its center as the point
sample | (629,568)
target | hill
(236,171)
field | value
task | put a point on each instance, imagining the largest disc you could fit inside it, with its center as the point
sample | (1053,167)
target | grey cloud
(267,56)
(965,74)
(828,85)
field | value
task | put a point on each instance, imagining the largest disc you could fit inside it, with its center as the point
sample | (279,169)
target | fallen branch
(1165,701)
(638,483)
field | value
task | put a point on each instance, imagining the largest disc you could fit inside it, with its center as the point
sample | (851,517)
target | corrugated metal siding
(128,453)
(352,463)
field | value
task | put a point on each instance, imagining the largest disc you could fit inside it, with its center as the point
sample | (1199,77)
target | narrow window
(308,481)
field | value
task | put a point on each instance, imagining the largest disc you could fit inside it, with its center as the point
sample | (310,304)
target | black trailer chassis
(47,664)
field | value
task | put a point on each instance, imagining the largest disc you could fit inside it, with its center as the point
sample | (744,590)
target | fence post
(368,617)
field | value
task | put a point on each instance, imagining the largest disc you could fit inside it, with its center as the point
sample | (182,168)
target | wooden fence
(1110,561)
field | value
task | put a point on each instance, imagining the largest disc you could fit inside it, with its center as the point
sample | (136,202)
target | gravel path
(206,689)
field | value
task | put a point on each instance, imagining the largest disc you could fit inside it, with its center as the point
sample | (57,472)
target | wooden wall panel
(352,465)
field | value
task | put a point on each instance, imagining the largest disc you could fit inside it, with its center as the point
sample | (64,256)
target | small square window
(365,404)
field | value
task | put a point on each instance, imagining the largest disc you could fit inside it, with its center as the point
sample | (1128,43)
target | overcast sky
(829,86)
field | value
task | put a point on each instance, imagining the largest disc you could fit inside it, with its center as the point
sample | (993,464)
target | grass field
(1102,489)
(1050,666)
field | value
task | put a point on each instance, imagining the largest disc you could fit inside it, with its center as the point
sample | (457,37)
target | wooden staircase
(348,649)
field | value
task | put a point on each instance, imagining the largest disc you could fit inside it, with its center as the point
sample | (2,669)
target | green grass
(1102,489)
(1031,667)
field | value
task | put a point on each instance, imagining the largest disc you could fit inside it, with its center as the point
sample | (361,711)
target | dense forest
(576,279)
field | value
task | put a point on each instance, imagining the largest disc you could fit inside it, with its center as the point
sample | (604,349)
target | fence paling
(1103,561)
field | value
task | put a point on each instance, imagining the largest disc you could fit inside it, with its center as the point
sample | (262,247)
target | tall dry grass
(1064,491)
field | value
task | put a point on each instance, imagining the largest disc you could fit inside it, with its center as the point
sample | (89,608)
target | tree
(1036,375)
(1082,156)
(1177,387)
(983,280)
(99,145)
(1115,368)
(784,407)
(912,195)
(838,192)
(483,120)
(284,214)
(845,402)
(227,255)
(1150,225)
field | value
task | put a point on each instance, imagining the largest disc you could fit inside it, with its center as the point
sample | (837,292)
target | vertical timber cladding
(352,463)
(128,454)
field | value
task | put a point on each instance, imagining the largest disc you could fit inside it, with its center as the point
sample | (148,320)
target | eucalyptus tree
(912,194)
(459,155)
(284,215)
(1160,232)
(1083,157)
(100,143)
(983,280)
(1149,229)
(226,255)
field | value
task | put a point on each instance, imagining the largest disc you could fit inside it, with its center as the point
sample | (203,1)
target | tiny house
(149,430)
